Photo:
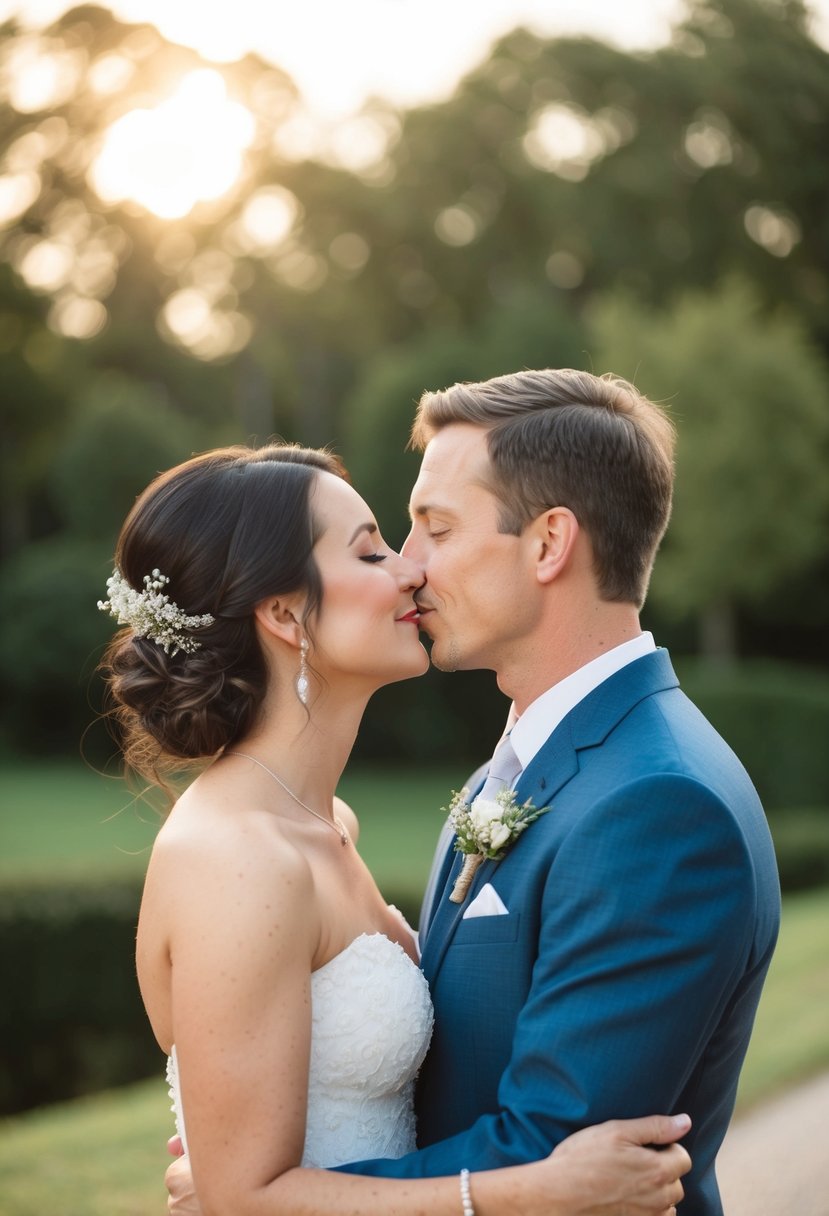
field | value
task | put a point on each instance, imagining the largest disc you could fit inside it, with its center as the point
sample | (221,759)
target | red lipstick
(413,616)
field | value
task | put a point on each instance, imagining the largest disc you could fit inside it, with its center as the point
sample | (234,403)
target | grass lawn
(105,1156)
(65,819)
(791,1034)
(101,1156)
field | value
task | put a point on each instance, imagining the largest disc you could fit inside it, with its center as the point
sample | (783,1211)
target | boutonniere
(485,828)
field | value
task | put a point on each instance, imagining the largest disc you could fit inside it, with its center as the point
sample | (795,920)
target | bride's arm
(239,914)
(601,1171)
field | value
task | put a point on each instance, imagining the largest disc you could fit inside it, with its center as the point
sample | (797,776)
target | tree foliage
(123,435)
(748,394)
(481,238)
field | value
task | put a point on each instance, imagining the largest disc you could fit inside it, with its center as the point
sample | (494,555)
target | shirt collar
(540,719)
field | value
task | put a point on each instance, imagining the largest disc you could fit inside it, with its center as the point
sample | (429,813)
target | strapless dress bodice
(371,1023)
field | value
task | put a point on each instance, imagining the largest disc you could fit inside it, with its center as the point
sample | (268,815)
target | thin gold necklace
(337,826)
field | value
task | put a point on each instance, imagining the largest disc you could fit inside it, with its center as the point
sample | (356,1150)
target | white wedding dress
(371,1023)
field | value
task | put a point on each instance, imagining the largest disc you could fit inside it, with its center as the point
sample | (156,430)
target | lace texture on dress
(371,1023)
(371,1026)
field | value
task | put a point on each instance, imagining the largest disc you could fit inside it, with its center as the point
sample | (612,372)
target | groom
(625,936)
(611,964)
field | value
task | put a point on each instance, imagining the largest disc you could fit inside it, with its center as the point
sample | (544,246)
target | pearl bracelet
(466,1198)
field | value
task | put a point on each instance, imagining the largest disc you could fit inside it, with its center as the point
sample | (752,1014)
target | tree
(748,394)
(51,637)
(123,434)
(33,363)
(317,301)
(530,329)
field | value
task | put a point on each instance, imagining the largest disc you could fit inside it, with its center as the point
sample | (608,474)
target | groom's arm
(647,924)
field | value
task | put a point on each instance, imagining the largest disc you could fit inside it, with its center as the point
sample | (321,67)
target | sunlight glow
(41,76)
(409,51)
(457,225)
(190,319)
(708,140)
(17,193)
(28,152)
(47,265)
(187,312)
(300,269)
(359,143)
(110,73)
(340,54)
(77,317)
(266,220)
(566,140)
(350,251)
(187,150)
(776,231)
(174,249)
(71,256)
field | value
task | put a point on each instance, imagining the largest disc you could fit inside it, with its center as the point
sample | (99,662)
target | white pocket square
(486,903)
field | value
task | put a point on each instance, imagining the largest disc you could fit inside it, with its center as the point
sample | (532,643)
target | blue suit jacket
(643,912)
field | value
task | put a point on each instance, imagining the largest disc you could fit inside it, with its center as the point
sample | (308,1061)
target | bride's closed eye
(373,557)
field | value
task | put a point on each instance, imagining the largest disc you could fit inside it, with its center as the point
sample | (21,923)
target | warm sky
(341,51)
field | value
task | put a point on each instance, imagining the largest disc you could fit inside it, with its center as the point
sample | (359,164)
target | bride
(262,610)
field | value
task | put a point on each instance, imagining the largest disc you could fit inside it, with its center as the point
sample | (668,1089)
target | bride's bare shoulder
(216,840)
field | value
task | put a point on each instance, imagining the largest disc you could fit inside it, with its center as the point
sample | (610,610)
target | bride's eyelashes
(373,557)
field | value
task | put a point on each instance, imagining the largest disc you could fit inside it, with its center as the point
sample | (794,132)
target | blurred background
(224,223)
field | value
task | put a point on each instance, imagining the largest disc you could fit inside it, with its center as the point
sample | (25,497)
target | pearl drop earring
(302,686)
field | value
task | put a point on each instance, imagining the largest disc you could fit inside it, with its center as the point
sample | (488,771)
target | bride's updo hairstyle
(227,529)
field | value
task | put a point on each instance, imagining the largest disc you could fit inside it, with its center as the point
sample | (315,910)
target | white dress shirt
(538,721)
(532,730)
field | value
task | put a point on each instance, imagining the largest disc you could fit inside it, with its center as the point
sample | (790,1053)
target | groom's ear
(555,533)
(279,618)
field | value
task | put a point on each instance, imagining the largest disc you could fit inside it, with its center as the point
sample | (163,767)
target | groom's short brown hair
(567,438)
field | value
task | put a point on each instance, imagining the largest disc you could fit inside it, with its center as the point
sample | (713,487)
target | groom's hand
(182,1199)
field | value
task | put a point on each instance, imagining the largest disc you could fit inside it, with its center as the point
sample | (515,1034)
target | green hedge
(71,1005)
(776,718)
(801,842)
(71,1016)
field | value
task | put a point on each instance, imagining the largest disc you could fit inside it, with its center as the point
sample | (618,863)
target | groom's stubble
(451,661)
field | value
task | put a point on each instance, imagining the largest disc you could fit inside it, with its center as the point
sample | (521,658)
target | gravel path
(775,1160)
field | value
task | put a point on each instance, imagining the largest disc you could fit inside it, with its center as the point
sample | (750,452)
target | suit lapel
(442,862)
(555,764)
(437,877)
(444,921)
(442,913)
(536,785)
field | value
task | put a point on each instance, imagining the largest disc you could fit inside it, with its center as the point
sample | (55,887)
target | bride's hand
(607,1170)
(181,1199)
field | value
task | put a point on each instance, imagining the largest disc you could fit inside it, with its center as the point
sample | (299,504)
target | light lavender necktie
(504,769)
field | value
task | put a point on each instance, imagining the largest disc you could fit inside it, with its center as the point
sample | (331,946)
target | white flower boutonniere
(485,828)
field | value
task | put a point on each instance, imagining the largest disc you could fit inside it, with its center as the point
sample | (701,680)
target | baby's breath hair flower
(151,614)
